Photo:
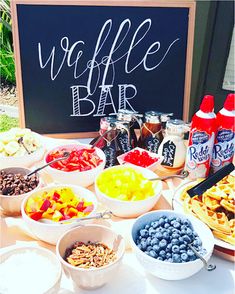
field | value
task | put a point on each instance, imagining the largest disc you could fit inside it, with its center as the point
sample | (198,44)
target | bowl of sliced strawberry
(80,167)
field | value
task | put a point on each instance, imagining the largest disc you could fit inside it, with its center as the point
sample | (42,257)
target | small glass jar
(173,148)
(151,132)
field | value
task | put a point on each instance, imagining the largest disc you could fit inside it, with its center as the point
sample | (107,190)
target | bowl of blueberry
(162,241)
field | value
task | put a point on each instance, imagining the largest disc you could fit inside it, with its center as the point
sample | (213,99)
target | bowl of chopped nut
(90,255)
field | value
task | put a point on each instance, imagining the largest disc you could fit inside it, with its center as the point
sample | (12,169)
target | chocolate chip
(16,184)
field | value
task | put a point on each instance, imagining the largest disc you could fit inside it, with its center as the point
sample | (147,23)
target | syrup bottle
(201,139)
(172,147)
(223,150)
(127,138)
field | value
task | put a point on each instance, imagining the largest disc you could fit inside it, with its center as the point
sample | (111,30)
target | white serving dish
(164,269)
(130,208)
(51,232)
(94,277)
(83,178)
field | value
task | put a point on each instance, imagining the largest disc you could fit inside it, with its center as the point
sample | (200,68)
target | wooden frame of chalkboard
(27,114)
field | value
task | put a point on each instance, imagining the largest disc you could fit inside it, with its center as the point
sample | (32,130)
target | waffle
(215,220)
(225,237)
(215,207)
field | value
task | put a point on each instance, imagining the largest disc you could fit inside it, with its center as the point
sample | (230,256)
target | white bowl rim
(54,186)
(37,248)
(122,242)
(75,171)
(25,194)
(191,217)
(158,187)
(41,148)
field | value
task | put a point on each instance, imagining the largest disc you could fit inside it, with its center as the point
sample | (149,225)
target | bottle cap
(207,104)
(229,103)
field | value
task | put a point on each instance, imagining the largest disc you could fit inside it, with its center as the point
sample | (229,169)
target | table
(131,278)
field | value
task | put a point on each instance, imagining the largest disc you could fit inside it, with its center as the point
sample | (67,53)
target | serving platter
(177,204)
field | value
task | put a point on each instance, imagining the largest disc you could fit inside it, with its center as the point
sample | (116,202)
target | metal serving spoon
(103,215)
(183,175)
(65,156)
(21,142)
(208,267)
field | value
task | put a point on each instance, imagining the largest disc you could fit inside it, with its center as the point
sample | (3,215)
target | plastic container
(223,150)
(201,139)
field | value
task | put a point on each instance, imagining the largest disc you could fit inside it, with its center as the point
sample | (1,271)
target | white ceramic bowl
(152,167)
(130,208)
(84,178)
(94,277)
(26,160)
(11,205)
(53,285)
(51,232)
(164,269)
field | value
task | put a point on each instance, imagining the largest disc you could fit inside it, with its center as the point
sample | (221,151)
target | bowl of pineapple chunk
(20,147)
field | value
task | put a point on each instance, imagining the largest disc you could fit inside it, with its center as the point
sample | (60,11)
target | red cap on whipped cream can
(223,151)
(201,140)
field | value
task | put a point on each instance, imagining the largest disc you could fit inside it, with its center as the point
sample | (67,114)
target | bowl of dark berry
(15,185)
(163,242)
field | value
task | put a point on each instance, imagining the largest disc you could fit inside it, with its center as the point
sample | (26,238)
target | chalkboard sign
(80,60)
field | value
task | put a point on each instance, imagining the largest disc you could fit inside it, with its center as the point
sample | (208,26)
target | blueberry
(169,247)
(190,253)
(184,256)
(175,249)
(167,220)
(152,231)
(149,248)
(186,222)
(154,241)
(181,240)
(171,218)
(176,258)
(158,235)
(187,239)
(139,246)
(175,235)
(143,245)
(152,253)
(156,248)
(183,227)
(178,220)
(160,258)
(148,241)
(155,224)
(197,242)
(182,251)
(143,233)
(168,255)
(195,234)
(192,258)
(176,225)
(162,254)
(166,235)
(175,241)
(163,243)
(182,247)
(166,226)
(170,259)
(189,232)
(147,227)
(161,222)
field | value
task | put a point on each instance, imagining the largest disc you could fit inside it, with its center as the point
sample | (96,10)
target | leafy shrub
(7,64)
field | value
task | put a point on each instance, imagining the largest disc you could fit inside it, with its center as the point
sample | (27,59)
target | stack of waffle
(216,208)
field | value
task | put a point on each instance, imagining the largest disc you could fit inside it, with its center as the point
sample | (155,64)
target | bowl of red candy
(80,168)
(141,157)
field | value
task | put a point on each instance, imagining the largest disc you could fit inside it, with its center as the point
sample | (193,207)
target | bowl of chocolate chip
(15,185)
